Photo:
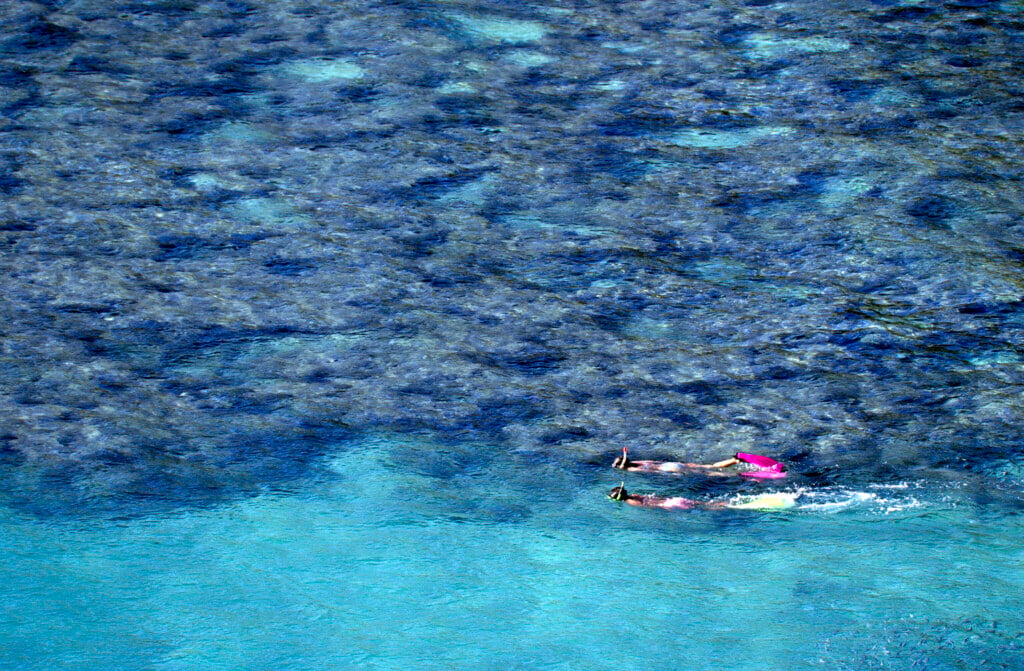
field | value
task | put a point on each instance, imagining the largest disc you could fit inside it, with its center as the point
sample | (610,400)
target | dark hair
(618,493)
(621,462)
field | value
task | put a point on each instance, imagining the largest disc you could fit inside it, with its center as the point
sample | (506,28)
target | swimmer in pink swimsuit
(764,467)
(668,502)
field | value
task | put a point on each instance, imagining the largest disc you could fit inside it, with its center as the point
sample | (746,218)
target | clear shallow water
(376,567)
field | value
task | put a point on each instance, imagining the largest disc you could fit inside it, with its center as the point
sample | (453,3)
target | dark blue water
(469,250)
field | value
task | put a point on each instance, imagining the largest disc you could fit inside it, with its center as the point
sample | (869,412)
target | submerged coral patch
(240,230)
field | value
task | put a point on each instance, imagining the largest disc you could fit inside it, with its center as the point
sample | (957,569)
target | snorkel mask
(618,493)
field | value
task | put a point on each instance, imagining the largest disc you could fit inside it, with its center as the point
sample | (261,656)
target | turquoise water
(374,567)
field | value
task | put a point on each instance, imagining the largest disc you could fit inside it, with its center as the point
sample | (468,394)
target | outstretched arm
(725,463)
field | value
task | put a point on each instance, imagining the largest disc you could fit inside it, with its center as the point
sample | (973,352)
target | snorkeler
(668,502)
(763,467)
(770,501)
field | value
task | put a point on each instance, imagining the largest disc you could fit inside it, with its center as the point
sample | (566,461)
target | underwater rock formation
(236,234)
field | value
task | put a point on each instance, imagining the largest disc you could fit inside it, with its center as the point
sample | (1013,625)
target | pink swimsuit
(767,468)
(676,502)
(679,502)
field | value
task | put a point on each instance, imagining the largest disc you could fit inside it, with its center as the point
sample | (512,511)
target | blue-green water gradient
(506,238)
